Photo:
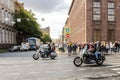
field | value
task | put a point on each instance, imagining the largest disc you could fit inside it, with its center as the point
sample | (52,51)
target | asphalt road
(21,66)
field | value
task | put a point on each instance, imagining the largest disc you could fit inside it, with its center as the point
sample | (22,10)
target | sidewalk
(61,53)
(3,50)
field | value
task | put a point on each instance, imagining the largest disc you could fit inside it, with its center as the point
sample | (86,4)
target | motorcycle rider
(49,50)
(99,49)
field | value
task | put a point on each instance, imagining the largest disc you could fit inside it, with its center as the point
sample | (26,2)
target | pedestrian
(111,47)
(79,47)
(118,47)
(69,48)
(115,46)
(107,47)
(74,48)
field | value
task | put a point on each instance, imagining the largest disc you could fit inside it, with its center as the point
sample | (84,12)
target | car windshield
(43,46)
(15,46)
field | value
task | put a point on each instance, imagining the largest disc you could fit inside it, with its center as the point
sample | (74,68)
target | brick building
(7,31)
(46,30)
(94,20)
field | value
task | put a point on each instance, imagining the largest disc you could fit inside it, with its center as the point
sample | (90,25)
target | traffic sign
(67,30)
(67,35)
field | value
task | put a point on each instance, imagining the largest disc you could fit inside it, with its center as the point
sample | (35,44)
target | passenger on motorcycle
(53,47)
(92,48)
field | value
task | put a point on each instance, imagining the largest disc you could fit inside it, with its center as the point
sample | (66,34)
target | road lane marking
(2,66)
(14,74)
(112,66)
(96,68)
(58,63)
(30,65)
(15,66)
(67,63)
(81,69)
(115,69)
(118,72)
(67,70)
(45,64)
(51,72)
(113,62)
(33,72)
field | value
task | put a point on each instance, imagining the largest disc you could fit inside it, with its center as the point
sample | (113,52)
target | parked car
(24,48)
(15,48)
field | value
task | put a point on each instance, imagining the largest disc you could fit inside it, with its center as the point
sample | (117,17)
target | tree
(28,26)
(46,38)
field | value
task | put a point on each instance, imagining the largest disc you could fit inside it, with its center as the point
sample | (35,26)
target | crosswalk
(114,63)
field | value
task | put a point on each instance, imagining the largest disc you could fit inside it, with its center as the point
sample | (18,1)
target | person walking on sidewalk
(69,48)
(111,47)
(107,47)
(74,48)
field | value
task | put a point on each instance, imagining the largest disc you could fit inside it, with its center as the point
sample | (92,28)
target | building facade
(46,30)
(94,20)
(7,32)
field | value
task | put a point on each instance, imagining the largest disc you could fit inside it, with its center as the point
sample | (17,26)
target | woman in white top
(111,47)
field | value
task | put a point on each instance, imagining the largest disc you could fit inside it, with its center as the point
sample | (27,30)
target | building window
(96,17)
(111,5)
(110,34)
(97,35)
(96,11)
(111,11)
(111,18)
(96,4)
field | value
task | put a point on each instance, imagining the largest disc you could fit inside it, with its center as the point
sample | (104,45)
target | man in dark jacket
(98,51)
(49,50)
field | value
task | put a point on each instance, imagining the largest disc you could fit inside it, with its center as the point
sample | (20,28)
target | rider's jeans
(97,53)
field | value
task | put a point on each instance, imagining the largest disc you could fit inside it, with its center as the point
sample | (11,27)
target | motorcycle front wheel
(77,61)
(35,56)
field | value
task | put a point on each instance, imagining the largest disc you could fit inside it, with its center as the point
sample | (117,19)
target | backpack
(53,48)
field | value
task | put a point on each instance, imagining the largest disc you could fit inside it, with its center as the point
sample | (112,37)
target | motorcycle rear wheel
(77,61)
(100,60)
(35,56)
(52,57)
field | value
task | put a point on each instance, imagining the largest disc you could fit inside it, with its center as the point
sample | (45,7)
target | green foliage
(46,38)
(28,25)
(3,50)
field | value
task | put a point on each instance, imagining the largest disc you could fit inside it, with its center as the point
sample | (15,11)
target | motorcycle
(43,52)
(88,58)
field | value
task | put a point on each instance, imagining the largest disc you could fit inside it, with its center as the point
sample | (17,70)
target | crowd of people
(108,47)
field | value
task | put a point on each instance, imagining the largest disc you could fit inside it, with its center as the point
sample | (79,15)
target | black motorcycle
(43,52)
(88,58)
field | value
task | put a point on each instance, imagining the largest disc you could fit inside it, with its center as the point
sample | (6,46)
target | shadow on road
(95,65)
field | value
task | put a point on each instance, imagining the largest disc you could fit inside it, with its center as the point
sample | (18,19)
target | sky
(55,13)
